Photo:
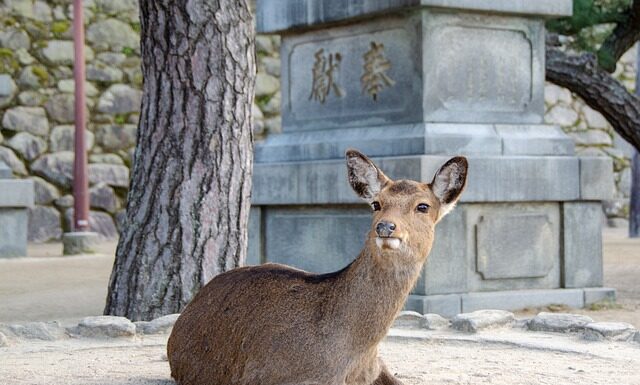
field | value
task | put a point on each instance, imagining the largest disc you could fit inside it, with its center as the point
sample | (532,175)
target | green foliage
(41,73)
(128,51)
(60,27)
(588,13)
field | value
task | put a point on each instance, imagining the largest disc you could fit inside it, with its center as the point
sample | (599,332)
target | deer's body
(275,325)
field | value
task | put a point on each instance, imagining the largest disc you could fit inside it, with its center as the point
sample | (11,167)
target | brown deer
(276,325)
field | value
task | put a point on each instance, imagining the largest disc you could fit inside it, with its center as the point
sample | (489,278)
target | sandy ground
(496,357)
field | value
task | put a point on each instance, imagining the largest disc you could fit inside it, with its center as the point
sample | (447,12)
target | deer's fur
(276,325)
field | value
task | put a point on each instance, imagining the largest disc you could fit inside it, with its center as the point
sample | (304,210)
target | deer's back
(263,324)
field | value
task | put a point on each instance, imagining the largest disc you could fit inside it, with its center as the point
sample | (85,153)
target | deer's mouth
(388,242)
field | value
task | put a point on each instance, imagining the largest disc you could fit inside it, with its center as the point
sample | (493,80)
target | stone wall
(36,108)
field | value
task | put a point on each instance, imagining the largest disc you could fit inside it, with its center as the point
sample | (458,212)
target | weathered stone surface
(69,86)
(14,38)
(158,325)
(618,223)
(619,331)
(408,320)
(74,243)
(33,77)
(266,85)
(111,174)
(27,145)
(432,321)
(594,119)
(582,244)
(120,99)
(106,158)
(24,57)
(562,115)
(273,106)
(45,192)
(64,202)
(10,159)
(117,7)
(44,224)
(102,73)
(591,138)
(56,167)
(61,52)
(115,136)
(106,326)
(101,196)
(46,331)
(271,66)
(112,34)
(29,119)
(99,222)
(558,322)
(624,185)
(481,319)
(554,94)
(62,138)
(121,219)
(112,58)
(61,108)
(8,89)
(36,10)
(31,98)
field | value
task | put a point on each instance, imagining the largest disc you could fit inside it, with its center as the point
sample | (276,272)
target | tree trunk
(634,206)
(188,202)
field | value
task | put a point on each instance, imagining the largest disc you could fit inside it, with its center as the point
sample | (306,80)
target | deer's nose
(385,229)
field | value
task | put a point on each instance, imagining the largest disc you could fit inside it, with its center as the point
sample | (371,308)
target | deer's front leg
(385,377)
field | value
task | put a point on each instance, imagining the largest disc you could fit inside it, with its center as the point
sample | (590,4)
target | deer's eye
(376,206)
(423,207)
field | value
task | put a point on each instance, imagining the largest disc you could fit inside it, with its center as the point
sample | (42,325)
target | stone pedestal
(79,242)
(16,196)
(411,83)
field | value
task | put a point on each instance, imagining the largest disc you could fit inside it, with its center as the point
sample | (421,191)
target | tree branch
(623,37)
(600,91)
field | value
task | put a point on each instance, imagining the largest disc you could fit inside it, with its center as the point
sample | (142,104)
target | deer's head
(405,212)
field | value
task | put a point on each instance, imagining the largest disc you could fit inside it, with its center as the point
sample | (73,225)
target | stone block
(596,178)
(106,327)
(432,321)
(44,331)
(482,319)
(255,249)
(157,326)
(314,239)
(559,322)
(408,319)
(582,244)
(16,193)
(447,305)
(75,243)
(599,294)
(13,232)
(534,140)
(5,171)
(520,299)
(618,331)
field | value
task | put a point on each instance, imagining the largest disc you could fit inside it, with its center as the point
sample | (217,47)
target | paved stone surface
(106,326)
(559,322)
(597,331)
(481,319)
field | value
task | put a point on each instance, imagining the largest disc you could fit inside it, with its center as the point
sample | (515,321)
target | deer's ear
(449,182)
(365,178)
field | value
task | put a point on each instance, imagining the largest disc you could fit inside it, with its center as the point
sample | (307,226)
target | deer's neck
(375,287)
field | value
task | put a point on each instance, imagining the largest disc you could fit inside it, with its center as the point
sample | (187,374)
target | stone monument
(411,83)
(16,196)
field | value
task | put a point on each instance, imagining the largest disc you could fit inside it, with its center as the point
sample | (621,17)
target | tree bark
(634,201)
(599,90)
(188,201)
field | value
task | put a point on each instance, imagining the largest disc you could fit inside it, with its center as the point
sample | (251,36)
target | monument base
(75,243)
(16,196)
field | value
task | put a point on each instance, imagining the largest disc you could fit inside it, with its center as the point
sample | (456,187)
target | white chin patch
(387,243)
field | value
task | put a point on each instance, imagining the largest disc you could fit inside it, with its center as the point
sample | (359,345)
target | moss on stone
(135,27)
(128,51)
(8,62)
(41,73)
(60,27)
(120,118)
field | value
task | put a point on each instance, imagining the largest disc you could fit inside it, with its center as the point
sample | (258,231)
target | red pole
(80,176)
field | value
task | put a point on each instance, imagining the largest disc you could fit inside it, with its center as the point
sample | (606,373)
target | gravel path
(418,357)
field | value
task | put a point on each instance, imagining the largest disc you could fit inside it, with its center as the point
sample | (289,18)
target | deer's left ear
(449,182)
(365,178)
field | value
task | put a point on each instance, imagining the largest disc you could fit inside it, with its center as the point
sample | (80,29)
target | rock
(591,138)
(619,331)
(4,342)
(561,115)
(554,94)
(63,138)
(594,119)
(27,145)
(273,106)
(99,222)
(106,158)
(69,86)
(15,39)
(434,322)
(56,167)
(558,322)
(481,319)
(61,108)
(106,327)
(273,125)
(103,197)
(266,85)
(624,185)
(36,10)
(64,202)
(111,174)
(112,58)
(113,34)
(8,89)
(618,223)
(31,98)
(116,137)
(44,224)
(158,325)
(10,159)
(45,331)
(45,192)
(118,8)
(408,320)
(271,66)
(24,57)
(120,99)
(102,73)
(33,77)
(28,119)
(61,52)
(615,207)
(264,44)
(636,337)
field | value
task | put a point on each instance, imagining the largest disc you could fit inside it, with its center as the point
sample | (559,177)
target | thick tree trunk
(634,206)
(188,202)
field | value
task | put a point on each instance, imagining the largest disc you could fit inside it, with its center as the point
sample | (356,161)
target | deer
(273,324)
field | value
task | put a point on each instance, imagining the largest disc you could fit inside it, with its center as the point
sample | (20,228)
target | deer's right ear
(365,178)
